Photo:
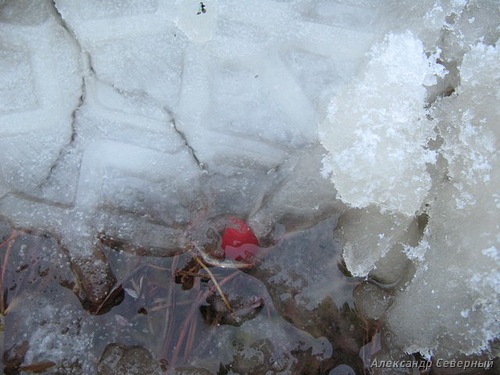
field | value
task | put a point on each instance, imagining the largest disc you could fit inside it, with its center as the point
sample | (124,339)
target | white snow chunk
(461,261)
(376,131)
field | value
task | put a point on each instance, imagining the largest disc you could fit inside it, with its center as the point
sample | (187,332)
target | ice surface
(40,312)
(421,171)
(308,263)
(427,18)
(457,266)
(142,122)
(40,87)
(160,116)
(50,319)
(459,275)
(368,228)
(376,129)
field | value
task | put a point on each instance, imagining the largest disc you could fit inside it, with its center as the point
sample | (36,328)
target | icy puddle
(293,312)
(354,144)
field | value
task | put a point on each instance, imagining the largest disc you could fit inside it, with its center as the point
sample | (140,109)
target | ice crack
(192,152)
(65,148)
(81,99)
(66,26)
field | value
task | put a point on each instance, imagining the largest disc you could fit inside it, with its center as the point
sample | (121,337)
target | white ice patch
(376,131)
(417,253)
(40,86)
(197,20)
(470,145)
(458,279)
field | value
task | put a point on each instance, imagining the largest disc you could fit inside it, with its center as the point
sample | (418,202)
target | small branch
(217,286)
(3,298)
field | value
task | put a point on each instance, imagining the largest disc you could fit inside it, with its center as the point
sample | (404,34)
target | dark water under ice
(293,312)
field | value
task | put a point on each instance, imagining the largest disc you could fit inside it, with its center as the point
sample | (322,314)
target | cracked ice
(139,122)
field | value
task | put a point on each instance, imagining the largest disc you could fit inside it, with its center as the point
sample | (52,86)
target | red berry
(239,242)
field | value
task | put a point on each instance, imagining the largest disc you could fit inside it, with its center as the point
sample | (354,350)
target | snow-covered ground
(145,121)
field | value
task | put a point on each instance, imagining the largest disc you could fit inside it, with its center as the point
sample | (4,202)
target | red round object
(239,242)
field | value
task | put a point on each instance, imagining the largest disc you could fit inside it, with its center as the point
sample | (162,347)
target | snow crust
(420,171)
(459,274)
(376,131)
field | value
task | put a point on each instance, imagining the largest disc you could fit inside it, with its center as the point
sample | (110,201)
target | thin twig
(111,294)
(202,296)
(226,263)
(3,307)
(168,306)
(212,277)
(185,324)
(171,305)
(191,336)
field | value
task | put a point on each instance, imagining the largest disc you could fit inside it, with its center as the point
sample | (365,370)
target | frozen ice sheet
(40,87)
(137,119)
(144,120)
